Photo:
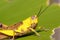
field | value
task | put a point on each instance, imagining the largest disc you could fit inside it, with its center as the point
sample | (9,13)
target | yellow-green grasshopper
(21,28)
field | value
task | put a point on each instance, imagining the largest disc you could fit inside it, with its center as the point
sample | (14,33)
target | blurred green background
(13,11)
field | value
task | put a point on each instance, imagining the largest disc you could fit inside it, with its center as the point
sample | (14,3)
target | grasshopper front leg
(43,29)
(34,31)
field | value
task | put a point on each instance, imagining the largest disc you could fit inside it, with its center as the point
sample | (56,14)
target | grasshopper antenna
(41,12)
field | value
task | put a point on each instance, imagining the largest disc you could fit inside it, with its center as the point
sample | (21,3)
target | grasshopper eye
(33,17)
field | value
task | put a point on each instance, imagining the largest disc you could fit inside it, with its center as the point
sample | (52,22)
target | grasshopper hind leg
(34,31)
(11,38)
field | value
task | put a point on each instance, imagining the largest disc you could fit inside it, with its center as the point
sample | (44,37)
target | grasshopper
(21,28)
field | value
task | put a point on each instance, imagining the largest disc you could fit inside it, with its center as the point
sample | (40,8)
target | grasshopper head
(34,19)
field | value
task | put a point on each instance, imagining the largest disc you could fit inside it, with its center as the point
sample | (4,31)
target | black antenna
(41,12)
